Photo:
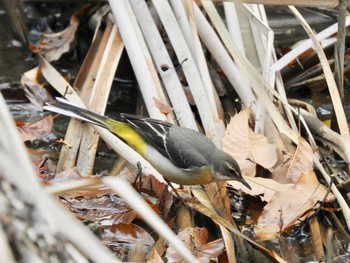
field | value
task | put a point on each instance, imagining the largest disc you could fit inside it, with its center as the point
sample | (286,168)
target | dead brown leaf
(163,108)
(152,187)
(196,240)
(36,130)
(52,46)
(247,147)
(66,176)
(262,187)
(156,258)
(123,237)
(104,210)
(34,91)
(301,161)
(288,205)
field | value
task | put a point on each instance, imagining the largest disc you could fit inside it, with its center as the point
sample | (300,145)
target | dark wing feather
(152,130)
(183,147)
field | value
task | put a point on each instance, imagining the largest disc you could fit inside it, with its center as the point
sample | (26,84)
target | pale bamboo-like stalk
(332,86)
(283,97)
(259,20)
(295,52)
(183,11)
(161,57)
(263,39)
(181,16)
(59,82)
(259,84)
(257,29)
(202,66)
(97,101)
(189,68)
(106,71)
(5,250)
(249,43)
(263,36)
(64,188)
(233,25)
(218,51)
(139,56)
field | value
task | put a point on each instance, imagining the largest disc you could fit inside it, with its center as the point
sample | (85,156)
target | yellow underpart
(127,133)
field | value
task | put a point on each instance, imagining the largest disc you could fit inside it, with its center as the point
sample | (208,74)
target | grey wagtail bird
(181,155)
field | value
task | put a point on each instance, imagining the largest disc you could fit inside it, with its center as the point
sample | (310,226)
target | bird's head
(226,168)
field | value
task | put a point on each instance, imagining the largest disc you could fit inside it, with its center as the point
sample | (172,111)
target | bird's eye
(231,172)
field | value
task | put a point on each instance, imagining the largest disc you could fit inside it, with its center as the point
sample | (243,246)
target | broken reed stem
(332,86)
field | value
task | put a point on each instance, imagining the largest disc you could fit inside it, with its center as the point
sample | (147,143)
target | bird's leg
(172,188)
(138,176)
(176,193)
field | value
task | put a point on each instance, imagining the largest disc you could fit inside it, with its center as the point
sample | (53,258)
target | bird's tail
(65,107)
(123,130)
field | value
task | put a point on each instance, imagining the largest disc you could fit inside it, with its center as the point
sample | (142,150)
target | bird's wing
(188,149)
(179,145)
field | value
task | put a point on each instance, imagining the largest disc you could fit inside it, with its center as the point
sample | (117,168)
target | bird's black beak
(244,182)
